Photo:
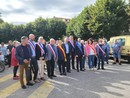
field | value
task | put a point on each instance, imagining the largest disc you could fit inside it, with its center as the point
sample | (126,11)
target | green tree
(105,18)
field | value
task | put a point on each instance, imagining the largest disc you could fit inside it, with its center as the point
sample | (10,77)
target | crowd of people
(33,56)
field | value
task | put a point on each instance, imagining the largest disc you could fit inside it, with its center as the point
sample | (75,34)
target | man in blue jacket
(79,51)
(23,55)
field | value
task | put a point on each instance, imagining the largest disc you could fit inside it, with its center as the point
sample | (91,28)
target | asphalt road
(114,82)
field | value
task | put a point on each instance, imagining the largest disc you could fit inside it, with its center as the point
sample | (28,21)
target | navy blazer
(79,51)
(60,54)
(72,49)
(20,55)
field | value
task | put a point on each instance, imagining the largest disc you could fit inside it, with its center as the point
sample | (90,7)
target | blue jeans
(91,61)
(83,62)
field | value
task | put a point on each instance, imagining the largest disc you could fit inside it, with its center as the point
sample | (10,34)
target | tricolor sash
(41,48)
(100,49)
(79,47)
(53,52)
(32,44)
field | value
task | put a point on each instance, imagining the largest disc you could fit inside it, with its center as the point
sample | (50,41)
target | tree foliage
(48,28)
(105,18)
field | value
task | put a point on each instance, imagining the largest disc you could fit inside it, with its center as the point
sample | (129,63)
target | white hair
(40,38)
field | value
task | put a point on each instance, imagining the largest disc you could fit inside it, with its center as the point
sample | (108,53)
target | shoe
(107,63)
(37,81)
(23,87)
(69,71)
(54,76)
(77,70)
(43,79)
(50,77)
(114,63)
(30,84)
(61,74)
(103,68)
(82,70)
(98,69)
(120,63)
(64,74)
(15,78)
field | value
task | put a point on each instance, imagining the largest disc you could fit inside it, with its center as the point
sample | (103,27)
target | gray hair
(23,38)
(40,38)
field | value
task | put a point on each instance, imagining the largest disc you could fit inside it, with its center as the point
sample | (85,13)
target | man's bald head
(32,37)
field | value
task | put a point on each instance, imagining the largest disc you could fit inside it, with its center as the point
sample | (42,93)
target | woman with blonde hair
(14,61)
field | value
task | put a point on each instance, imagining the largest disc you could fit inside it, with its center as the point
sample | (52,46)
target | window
(121,41)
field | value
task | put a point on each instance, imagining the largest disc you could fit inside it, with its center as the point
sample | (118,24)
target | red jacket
(14,61)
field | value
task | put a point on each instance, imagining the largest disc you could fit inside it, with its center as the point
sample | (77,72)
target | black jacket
(72,48)
(60,54)
(38,52)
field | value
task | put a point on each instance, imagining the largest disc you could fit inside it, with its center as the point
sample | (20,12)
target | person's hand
(25,61)
(104,55)
(83,56)
(120,51)
(41,58)
(76,56)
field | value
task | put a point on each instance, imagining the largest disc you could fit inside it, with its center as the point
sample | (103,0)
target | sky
(23,11)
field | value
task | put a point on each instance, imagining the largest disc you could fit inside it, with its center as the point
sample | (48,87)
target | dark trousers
(83,62)
(73,60)
(68,62)
(61,64)
(33,68)
(79,62)
(107,57)
(101,61)
(9,59)
(15,70)
(50,67)
(95,61)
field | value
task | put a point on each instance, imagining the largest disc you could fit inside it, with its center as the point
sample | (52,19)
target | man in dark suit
(51,58)
(72,50)
(66,48)
(79,51)
(61,58)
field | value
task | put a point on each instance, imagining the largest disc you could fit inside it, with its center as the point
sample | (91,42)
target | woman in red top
(14,61)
